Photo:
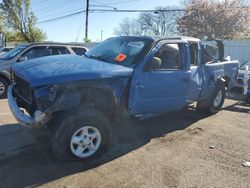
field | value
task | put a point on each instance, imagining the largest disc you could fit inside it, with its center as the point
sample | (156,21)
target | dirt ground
(167,151)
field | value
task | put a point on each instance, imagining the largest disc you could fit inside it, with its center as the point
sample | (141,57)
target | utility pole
(87,20)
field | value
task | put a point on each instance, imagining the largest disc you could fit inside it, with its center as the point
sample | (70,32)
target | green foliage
(18,17)
(87,40)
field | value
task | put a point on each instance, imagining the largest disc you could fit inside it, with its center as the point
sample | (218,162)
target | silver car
(4,50)
(25,52)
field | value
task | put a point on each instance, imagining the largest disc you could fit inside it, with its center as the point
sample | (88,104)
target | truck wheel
(214,104)
(248,98)
(3,88)
(218,98)
(82,135)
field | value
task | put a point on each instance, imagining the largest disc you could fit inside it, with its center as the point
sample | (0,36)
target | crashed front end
(23,104)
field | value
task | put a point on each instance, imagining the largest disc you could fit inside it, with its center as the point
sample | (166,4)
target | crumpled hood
(63,68)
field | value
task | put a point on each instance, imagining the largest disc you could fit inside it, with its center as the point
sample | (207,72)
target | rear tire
(3,88)
(84,134)
(248,98)
(215,103)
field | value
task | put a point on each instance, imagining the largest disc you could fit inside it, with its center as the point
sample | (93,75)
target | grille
(23,88)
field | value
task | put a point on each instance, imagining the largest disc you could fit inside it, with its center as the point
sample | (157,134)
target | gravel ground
(183,149)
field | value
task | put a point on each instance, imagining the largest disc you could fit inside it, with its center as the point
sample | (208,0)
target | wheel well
(5,78)
(101,99)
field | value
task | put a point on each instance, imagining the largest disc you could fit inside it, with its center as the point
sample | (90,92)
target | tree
(160,22)
(129,27)
(21,20)
(227,19)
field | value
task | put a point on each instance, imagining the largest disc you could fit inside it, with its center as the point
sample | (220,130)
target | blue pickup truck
(80,98)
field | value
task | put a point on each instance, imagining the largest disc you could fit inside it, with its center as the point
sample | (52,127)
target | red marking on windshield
(120,58)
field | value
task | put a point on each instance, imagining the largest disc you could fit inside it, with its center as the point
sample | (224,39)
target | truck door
(165,88)
(196,71)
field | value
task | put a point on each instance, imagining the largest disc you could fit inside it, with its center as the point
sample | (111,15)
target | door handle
(185,79)
(139,85)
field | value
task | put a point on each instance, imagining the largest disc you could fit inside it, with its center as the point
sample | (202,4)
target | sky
(72,29)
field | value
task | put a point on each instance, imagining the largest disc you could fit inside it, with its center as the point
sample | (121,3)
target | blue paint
(65,68)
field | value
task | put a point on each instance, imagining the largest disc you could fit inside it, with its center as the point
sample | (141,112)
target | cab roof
(181,38)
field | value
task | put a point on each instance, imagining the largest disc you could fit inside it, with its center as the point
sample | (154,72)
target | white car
(243,79)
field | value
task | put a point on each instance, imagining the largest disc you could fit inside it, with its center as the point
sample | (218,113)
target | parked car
(241,81)
(25,52)
(79,97)
(4,50)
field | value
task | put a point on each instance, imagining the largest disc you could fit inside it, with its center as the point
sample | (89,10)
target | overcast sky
(71,29)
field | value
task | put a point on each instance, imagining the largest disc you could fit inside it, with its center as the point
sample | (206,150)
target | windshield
(12,53)
(119,50)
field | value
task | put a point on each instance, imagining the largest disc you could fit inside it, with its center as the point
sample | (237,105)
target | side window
(58,50)
(79,51)
(170,56)
(36,52)
(194,54)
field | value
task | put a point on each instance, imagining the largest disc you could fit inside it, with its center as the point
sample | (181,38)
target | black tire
(210,106)
(248,98)
(3,85)
(61,141)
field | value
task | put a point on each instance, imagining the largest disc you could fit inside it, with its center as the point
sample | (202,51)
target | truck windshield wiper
(101,58)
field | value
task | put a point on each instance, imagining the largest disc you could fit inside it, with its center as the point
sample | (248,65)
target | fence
(238,50)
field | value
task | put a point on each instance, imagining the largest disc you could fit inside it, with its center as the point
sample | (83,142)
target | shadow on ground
(241,106)
(35,165)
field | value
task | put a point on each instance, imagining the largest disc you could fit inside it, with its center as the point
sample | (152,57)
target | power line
(138,10)
(117,3)
(62,17)
(54,7)
(38,3)
(109,10)
(103,6)
(60,13)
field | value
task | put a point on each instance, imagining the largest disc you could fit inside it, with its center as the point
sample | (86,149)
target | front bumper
(39,119)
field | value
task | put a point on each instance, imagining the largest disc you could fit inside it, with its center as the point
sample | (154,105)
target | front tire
(82,135)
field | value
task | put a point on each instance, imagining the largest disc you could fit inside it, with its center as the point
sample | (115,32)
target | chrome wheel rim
(2,88)
(85,141)
(217,99)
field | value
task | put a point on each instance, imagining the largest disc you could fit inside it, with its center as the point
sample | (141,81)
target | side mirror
(153,64)
(22,58)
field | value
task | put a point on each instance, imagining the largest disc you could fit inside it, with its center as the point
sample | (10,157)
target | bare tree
(227,19)
(129,27)
(160,22)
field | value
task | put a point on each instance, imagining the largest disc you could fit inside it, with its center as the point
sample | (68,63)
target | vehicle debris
(246,164)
